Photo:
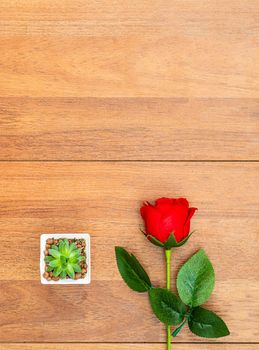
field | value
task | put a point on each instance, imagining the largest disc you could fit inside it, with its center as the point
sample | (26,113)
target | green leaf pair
(170,310)
(64,259)
(195,283)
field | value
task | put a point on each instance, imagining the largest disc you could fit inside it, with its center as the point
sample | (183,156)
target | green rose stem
(168,282)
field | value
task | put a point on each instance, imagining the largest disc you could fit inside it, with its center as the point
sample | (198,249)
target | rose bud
(167,222)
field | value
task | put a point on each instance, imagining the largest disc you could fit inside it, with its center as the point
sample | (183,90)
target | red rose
(168,215)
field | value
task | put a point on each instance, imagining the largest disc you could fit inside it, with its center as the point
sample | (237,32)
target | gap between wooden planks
(121,346)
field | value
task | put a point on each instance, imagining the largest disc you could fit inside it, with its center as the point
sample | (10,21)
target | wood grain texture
(145,12)
(78,346)
(103,199)
(126,80)
(129,48)
(123,128)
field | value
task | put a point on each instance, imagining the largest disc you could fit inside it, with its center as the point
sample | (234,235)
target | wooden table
(104,104)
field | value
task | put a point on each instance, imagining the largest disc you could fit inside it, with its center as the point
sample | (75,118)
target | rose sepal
(152,239)
(155,241)
(169,243)
(172,243)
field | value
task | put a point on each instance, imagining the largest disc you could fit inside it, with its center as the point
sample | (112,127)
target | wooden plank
(103,199)
(136,12)
(150,65)
(129,48)
(78,346)
(128,128)
(81,17)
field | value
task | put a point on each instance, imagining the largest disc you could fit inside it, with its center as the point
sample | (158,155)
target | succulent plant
(64,259)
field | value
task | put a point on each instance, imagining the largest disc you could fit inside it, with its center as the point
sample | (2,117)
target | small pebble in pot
(83,271)
(78,275)
(46,275)
(46,252)
(50,241)
(55,278)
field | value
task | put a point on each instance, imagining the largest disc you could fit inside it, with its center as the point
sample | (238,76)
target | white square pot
(43,239)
